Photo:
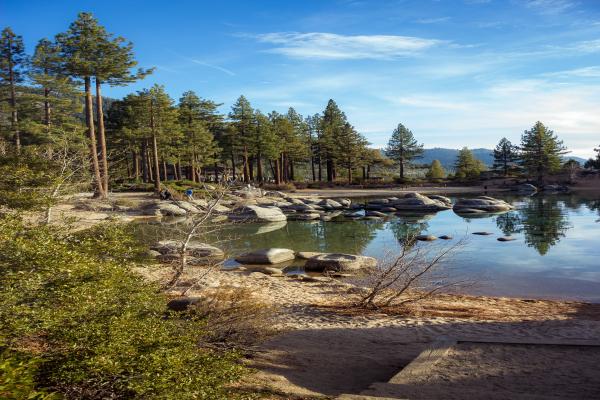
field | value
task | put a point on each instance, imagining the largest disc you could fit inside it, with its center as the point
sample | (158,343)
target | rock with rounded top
(339,262)
(171,210)
(256,213)
(375,214)
(426,238)
(345,202)
(445,237)
(481,203)
(417,202)
(330,204)
(266,256)
(506,239)
(305,255)
(388,209)
(441,198)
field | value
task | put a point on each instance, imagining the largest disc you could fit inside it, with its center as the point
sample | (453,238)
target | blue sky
(461,72)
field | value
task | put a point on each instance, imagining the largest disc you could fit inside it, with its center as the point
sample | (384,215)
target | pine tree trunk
(251,168)
(246,168)
(128,167)
(136,164)
(216,171)
(193,167)
(320,171)
(278,171)
(14,120)
(368,171)
(272,169)
(349,175)
(175,175)
(259,169)
(145,169)
(329,166)
(233,165)
(165,172)
(101,136)
(312,167)
(364,172)
(179,171)
(401,169)
(292,177)
(89,121)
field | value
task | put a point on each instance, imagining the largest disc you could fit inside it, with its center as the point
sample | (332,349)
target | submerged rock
(445,237)
(266,256)
(338,262)
(483,233)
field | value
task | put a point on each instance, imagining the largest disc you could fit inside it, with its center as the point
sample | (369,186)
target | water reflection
(509,223)
(544,222)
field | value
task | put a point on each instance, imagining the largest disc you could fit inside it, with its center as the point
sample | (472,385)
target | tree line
(52,100)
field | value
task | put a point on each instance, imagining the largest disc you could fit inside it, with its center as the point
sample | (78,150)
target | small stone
(445,237)
(426,238)
(506,239)
(483,233)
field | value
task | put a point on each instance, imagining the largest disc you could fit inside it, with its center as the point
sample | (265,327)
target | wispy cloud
(217,67)
(432,20)
(343,47)
(551,6)
(586,72)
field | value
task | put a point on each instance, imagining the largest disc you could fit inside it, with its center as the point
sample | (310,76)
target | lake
(556,253)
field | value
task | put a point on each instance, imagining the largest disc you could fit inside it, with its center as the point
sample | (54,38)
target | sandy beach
(325,349)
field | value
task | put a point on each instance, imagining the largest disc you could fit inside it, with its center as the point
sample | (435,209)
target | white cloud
(342,47)
(213,66)
(585,72)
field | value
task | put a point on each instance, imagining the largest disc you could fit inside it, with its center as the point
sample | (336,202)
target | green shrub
(98,329)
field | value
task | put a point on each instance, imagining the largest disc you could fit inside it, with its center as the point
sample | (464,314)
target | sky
(456,72)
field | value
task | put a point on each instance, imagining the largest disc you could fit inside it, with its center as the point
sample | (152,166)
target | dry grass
(477,308)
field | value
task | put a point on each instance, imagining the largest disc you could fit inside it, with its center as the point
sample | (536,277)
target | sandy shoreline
(326,350)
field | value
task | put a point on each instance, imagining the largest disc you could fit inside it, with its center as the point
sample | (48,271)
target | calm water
(556,253)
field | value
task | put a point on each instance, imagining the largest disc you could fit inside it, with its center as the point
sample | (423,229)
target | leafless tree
(416,273)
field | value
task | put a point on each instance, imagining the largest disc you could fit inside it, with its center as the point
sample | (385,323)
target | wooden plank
(529,341)
(424,361)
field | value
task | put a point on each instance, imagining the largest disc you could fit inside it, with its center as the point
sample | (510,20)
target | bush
(281,186)
(98,330)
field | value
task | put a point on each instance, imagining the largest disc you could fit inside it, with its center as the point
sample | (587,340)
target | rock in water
(171,210)
(426,238)
(481,203)
(418,202)
(330,204)
(445,237)
(483,233)
(256,213)
(338,262)
(266,256)
(506,239)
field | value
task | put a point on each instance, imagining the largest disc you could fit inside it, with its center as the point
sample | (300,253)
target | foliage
(436,171)
(541,151)
(97,329)
(594,162)
(504,154)
(403,147)
(467,166)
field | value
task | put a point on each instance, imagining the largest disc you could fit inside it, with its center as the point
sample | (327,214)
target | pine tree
(265,143)
(242,117)
(403,147)
(79,52)
(332,124)
(436,171)
(541,151)
(199,144)
(12,64)
(467,166)
(351,147)
(504,154)
(594,162)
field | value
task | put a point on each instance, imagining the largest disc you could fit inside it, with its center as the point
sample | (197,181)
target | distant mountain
(448,156)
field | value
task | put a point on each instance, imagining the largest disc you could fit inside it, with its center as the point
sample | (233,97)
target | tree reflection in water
(544,222)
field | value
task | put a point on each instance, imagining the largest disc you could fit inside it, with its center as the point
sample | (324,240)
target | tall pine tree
(541,151)
(403,147)
(505,153)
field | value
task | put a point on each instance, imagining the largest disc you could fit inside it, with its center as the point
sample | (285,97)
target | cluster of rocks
(182,208)
(169,251)
(414,202)
(314,261)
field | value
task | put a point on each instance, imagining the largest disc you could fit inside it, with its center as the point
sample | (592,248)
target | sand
(326,349)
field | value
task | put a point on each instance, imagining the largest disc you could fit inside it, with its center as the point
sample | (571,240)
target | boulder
(481,203)
(305,255)
(199,253)
(438,197)
(256,213)
(426,238)
(375,214)
(329,204)
(420,203)
(171,210)
(345,202)
(266,256)
(354,214)
(506,239)
(338,262)
(305,216)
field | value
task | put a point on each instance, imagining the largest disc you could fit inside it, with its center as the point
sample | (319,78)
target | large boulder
(441,198)
(481,204)
(171,210)
(329,204)
(338,262)
(256,213)
(266,256)
(198,253)
(420,203)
